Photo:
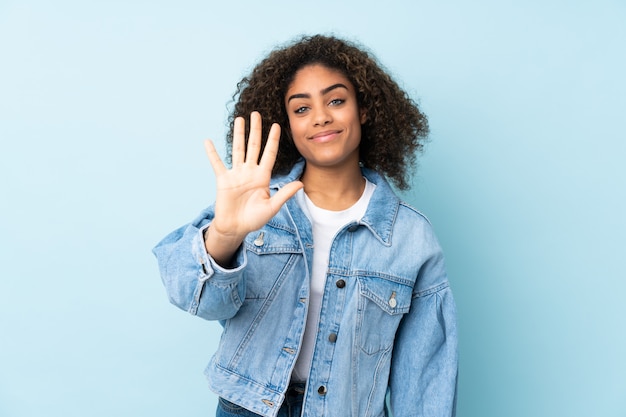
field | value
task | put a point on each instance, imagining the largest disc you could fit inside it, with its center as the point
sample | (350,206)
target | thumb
(284,194)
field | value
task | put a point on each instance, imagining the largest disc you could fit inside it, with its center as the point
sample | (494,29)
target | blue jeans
(292,406)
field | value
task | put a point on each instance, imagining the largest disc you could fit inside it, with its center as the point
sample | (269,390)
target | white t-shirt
(326,223)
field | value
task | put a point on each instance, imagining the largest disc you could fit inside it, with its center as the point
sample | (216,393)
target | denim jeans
(292,406)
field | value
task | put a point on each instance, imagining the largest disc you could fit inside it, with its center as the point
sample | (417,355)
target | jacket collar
(382,210)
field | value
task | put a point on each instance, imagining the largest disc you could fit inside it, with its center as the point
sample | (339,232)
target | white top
(326,224)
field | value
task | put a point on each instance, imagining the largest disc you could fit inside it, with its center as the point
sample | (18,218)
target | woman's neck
(333,189)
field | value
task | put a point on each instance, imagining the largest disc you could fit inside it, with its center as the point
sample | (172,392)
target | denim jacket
(387,322)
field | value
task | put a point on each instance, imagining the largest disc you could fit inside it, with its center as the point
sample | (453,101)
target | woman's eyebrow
(332,87)
(322,92)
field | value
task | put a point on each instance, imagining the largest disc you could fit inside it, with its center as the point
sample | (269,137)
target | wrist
(221,247)
(213,234)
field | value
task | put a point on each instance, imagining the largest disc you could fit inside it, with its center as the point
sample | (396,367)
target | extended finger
(238,154)
(214,158)
(254,140)
(271,148)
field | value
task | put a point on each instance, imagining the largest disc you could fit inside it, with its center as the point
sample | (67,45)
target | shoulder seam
(413,209)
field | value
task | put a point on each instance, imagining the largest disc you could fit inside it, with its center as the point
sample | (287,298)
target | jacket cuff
(211,269)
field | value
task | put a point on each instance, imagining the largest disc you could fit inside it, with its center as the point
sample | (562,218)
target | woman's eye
(336,102)
(300,110)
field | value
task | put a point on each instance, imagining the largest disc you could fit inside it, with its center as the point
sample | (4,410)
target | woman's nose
(322,117)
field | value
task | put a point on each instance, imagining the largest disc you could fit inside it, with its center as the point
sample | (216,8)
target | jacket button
(353,228)
(332,338)
(259,240)
(340,283)
(321,390)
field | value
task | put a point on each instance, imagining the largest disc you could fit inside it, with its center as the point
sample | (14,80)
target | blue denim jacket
(387,322)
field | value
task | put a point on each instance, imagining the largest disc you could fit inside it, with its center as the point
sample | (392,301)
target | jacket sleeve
(424,366)
(193,281)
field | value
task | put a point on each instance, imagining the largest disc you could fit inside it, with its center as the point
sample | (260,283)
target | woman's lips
(325,136)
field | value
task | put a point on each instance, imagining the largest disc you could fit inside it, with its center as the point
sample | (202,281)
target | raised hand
(243,203)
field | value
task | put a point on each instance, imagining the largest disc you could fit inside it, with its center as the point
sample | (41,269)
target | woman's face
(324,117)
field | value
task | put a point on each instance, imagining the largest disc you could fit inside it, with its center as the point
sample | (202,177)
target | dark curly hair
(395,129)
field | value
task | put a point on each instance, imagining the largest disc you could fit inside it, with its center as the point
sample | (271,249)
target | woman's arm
(424,367)
(193,280)
(202,263)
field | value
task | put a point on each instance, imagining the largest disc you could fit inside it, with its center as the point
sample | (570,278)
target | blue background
(103,109)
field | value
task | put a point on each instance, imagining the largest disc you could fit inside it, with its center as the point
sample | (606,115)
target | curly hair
(395,129)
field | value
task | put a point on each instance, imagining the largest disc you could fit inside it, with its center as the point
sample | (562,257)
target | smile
(325,136)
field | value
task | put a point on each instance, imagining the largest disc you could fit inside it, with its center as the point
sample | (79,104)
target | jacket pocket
(381,305)
(272,253)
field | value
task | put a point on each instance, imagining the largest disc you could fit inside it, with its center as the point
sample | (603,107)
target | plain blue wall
(103,109)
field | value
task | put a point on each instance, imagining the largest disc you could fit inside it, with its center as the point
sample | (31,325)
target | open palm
(243,203)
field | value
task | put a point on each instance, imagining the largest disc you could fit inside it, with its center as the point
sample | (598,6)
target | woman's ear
(363,115)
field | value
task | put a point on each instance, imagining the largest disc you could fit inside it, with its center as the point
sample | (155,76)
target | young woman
(332,292)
